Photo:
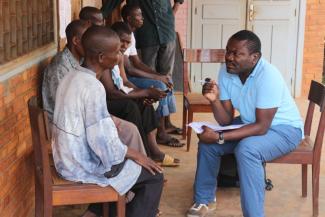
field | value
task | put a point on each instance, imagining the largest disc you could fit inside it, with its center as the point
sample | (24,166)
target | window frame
(20,64)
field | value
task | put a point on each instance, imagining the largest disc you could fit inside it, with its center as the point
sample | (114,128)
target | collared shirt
(85,142)
(132,50)
(264,88)
(159,22)
(61,65)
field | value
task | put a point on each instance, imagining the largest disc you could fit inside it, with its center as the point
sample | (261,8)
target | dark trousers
(145,203)
(144,117)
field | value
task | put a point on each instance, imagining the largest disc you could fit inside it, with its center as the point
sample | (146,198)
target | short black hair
(97,38)
(74,29)
(127,10)
(121,28)
(88,12)
(253,41)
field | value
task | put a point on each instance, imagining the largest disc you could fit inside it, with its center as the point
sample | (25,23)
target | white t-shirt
(131,51)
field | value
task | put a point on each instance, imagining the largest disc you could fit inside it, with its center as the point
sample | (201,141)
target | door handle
(251,13)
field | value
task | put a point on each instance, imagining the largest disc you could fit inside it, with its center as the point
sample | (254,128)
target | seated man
(123,96)
(92,15)
(255,88)
(83,150)
(68,61)
(143,77)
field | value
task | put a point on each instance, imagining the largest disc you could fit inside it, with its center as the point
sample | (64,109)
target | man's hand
(148,164)
(208,136)
(165,79)
(156,94)
(148,102)
(210,91)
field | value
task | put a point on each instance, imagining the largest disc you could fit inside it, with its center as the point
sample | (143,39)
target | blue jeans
(167,105)
(250,153)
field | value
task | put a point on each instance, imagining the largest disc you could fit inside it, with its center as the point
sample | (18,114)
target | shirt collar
(88,71)
(257,67)
(70,58)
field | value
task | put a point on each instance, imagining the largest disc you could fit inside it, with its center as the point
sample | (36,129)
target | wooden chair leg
(184,121)
(315,186)
(304,174)
(39,203)
(121,206)
(189,130)
(105,209)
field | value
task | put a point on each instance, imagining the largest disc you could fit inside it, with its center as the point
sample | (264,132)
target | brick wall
(16,164)
(314,43)
(181,21)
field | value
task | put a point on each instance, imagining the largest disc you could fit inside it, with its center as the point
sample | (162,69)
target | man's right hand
(210,91)
(156,94)
(148,164)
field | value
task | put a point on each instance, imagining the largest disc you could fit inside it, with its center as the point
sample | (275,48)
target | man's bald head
(102,45)
(92,15)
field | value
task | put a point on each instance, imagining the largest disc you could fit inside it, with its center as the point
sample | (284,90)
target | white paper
(197,126)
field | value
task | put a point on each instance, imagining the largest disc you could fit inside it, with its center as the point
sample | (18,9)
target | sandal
(168,161)
(159,213)
(172,142)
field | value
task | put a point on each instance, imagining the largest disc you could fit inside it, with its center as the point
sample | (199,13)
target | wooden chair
(50,189)
(309,152)
(195,102)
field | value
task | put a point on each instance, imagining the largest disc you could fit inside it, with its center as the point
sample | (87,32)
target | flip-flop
(175,131)
(168,161)
(159,213)
(172,142)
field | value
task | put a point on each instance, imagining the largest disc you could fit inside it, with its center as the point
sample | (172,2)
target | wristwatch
(221,140)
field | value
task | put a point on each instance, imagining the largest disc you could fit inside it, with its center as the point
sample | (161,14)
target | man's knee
(209,150)
(246,148)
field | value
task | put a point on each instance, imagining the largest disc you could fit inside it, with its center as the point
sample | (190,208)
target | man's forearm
(220,113)
(176,7)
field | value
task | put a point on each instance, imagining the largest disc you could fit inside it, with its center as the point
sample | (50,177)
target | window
(25,25)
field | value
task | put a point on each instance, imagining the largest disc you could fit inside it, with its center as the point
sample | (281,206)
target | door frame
(297,75)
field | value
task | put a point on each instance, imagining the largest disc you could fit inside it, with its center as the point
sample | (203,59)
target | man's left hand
(208,136)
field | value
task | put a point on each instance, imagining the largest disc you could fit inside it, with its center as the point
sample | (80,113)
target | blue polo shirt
(264,88)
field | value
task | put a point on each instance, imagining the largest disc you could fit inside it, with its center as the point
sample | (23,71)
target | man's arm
(263,122)
(113,93)
(138,64)
(176,6)
(139,69)
(223,111)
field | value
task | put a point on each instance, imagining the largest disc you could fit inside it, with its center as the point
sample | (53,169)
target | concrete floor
(283,201)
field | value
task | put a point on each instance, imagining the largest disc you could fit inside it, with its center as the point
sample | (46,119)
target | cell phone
(206,80)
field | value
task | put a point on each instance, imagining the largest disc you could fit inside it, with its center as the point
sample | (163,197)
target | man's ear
(100,57)
(128,18)
(75,40)
(256,56)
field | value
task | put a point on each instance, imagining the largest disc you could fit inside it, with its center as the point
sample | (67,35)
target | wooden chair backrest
(40,138)
(199,56)
(316,97)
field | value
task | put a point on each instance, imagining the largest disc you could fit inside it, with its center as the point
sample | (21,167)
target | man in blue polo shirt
(255,88)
